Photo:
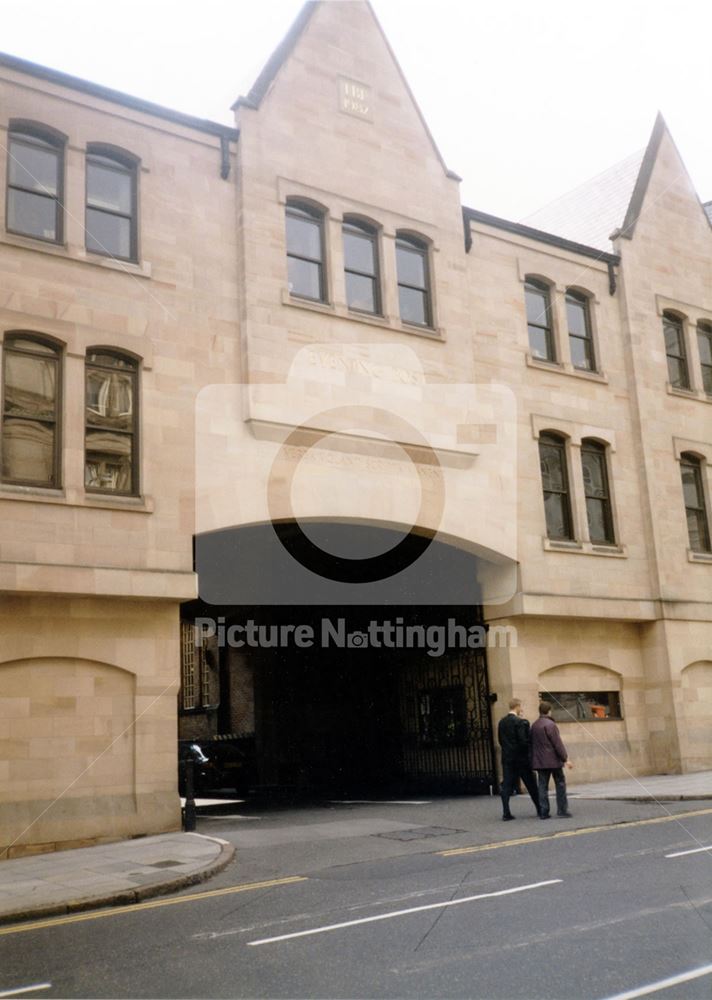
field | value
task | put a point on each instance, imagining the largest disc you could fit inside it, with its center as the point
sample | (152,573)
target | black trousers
(513,773)
(562,804)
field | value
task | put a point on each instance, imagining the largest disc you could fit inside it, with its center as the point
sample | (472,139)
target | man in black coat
(513,733)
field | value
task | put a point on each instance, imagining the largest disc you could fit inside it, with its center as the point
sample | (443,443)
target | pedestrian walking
(548,758)
(513,734)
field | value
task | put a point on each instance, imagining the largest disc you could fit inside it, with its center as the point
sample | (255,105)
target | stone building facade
(182,303)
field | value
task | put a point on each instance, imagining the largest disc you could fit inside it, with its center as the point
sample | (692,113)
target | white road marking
(664,984)
(695,850)
(403,913)
(19,990)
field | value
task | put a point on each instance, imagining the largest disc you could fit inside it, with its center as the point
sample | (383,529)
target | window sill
(699,557)
(342,312)
(564,368)
(688,393)
(76,498)
(76,254)
(586,548)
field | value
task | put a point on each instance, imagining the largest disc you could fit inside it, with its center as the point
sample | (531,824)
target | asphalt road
(405,913)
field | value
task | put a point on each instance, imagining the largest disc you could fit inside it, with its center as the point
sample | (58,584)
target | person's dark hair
(544,707)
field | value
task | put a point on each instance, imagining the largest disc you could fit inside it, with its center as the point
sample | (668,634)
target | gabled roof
(589,213)
(262,84)
(116,96)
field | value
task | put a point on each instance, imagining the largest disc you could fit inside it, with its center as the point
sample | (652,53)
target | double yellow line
(75,918)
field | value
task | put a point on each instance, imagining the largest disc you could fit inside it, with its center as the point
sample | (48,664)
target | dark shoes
(542,816)
(505,818)
(566,815)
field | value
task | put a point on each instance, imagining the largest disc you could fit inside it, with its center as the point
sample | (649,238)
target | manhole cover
(165,864)
(419,833)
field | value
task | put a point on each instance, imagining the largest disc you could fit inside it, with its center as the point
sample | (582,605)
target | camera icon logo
(357,481)
(357,640)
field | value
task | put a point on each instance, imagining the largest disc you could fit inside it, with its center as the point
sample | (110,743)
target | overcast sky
(526,100)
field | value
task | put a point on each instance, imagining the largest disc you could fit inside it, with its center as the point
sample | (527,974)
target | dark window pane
(109,188)
(30,386)
(677,373)
(576,318)
(359,253)
(580,353)
(36,346)
(691,486)
(552,468)
(304,237)
(31,214)
(108,462)
(539,343)
(110,360)
(594,475)
(597,511)
(707,379)
(28,452)
(108,234)
(413,306)
(411,267)
(704,339)
(697,531)
(304,278)
(109,399)
(556,510)
(360,292)
(537,303)
(34,168)
(673,339)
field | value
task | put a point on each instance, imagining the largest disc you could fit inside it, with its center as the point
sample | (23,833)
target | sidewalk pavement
(45,885)
(127,871)
(649,788)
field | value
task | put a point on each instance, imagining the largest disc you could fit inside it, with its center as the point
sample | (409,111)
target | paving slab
(649,788)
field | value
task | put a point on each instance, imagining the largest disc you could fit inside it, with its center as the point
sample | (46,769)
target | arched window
(30,411)
(305,251)
(111,216)
(597,492)
(35,182)
(111,456)
(555,484)
(361,266)
(695,507)
(413,266)
(539,323)
(704,340)
(678,374)
(578,317)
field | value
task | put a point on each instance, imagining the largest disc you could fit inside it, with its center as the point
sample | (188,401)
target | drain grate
(418,833)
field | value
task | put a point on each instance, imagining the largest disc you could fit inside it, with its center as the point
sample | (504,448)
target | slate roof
(592,211)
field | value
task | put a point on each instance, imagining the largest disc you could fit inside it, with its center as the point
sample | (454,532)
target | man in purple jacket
(548,758)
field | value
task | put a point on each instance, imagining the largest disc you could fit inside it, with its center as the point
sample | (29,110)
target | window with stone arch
(555,485)
(676,350)
(599,508)
(111,422)
(306,259)
(695,499)
(540,323)
(30,445)
(578,317)
(704,341)
(35,181)
(111,202)
(361,266)
(414,287)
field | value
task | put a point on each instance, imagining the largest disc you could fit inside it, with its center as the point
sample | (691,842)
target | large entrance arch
(388,695)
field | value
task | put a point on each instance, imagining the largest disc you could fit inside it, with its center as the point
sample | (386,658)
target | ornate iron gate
(446,723)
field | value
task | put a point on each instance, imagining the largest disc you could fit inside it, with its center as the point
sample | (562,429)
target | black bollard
(189,808)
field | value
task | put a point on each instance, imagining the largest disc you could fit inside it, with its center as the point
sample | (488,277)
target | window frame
(678,322)
(555,440)
(554,699)
(135,423)
(540,287)
(58,355)
(592,446)
(704,332)
(579,298)
(40,135)
(364,230)
(194,667)
(299,208)
(124,163)
(415,244)
(688,460)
